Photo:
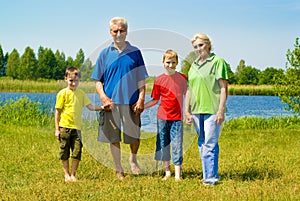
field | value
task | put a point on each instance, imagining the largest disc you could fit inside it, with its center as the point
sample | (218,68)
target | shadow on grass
(252,173)
(248,174)
(192,174)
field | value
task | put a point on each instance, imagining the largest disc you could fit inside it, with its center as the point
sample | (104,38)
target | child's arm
(57,119)
(150,103)
(95,107)
(187,112)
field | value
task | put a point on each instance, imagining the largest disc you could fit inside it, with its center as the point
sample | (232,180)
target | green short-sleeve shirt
(203,84)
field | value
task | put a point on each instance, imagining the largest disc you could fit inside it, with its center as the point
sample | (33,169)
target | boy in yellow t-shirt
(68,111)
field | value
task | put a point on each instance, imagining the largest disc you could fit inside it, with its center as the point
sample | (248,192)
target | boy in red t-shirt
(170,89)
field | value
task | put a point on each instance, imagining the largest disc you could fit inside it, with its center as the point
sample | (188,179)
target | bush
(24,112)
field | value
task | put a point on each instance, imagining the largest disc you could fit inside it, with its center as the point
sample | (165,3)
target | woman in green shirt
(206,102)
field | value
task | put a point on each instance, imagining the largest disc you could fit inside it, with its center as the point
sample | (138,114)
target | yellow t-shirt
(71,103)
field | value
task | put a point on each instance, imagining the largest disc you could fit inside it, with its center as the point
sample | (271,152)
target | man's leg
(115,149)
(132,159)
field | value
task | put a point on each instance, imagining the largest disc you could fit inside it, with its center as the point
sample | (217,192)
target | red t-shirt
(170,90)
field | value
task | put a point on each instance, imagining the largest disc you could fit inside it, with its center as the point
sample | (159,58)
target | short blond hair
(170,54)
(203,37)
(118,20)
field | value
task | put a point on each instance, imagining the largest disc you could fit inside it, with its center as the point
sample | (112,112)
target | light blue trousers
(208,136)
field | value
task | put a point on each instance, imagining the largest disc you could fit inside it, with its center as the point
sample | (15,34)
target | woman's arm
(220,116)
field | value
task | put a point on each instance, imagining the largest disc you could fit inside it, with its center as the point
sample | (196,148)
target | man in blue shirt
(120,75)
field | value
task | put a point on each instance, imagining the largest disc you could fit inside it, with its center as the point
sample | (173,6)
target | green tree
(79,59)
(60,67)
(2,66)
(46,63)
(5,62)
(86,70)
(187,62)
(267,76)
(13,64)
(240,67)
(231,76)
(28,66)
(70,61)
(248,75)
(288,88)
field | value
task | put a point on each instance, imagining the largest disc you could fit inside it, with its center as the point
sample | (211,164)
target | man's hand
(138,107)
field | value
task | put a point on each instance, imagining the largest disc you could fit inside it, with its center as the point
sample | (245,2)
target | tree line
(50,65)
(41,66)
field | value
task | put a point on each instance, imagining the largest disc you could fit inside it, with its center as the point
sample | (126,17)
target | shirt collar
(210,58)
(127,48)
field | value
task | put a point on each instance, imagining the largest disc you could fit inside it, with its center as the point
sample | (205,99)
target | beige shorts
(112,123)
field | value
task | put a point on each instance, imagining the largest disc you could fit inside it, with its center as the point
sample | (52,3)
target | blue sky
(258,31)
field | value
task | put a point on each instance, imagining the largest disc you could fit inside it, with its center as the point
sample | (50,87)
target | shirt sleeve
(97,73)
(59,100)
(155,91)
(222,69)
(86,100)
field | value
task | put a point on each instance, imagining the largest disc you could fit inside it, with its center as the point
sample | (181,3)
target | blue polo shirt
(120,73)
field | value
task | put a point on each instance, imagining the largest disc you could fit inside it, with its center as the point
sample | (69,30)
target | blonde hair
(118,20)
(170,54)
(203,37)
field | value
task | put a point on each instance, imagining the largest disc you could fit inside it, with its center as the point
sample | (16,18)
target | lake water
(237,106)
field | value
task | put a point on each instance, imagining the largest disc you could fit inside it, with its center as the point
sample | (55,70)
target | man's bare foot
(135,169)
(120,175)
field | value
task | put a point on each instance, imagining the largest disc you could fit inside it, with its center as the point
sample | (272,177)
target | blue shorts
(170,133)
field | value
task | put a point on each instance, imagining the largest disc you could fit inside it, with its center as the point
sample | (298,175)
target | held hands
(108,104)
(188,118)
(138,107)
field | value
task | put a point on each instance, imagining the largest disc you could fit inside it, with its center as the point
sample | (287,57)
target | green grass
(259,160)
(254,165)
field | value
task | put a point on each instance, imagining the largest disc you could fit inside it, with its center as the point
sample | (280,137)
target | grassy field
(9,85)
(254,165)
(259,160)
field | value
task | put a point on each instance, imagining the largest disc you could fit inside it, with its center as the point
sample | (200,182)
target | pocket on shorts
(101,117)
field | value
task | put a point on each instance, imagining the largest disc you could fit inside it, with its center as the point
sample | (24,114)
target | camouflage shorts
(70,139)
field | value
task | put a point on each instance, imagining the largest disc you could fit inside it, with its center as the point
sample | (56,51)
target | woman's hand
(220,117)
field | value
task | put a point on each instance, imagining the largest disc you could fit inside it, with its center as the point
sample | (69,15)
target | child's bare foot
(67,178)
(166,177)
(73,178)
